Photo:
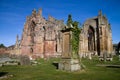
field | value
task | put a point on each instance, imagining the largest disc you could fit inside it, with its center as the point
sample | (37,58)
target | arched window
(91,39)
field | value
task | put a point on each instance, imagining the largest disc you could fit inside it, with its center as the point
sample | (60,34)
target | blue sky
(13,14)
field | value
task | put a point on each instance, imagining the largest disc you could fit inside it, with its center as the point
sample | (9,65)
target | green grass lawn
(46,71)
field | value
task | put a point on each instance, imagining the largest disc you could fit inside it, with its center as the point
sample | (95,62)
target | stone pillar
(95,52)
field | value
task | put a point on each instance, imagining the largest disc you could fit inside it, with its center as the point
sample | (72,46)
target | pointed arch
(91,39)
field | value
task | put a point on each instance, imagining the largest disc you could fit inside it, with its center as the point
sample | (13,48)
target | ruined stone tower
(41,37)
(96,36)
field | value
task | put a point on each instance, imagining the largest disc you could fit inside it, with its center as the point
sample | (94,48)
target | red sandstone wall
(38,49)
(50,48)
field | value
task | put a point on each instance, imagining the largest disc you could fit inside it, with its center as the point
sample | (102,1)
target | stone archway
(91,39)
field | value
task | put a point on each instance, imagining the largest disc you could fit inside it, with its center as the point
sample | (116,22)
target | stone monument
(68,63)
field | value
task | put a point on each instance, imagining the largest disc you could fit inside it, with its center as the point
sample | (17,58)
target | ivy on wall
(74,25)
(75,38)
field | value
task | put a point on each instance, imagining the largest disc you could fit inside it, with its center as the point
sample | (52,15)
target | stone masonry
(41,37)
(96,37)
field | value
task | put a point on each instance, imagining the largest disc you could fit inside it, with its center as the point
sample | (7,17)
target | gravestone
(68,63)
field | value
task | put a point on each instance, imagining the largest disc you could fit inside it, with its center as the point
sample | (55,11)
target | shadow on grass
(112,66)
(109,66)
(55,64)
(3,73)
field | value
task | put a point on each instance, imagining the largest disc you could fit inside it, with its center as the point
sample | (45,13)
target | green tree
(74,26)
(69,21)
(75,38)
(2,46)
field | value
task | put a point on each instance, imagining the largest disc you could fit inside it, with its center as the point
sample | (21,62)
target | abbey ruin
(42,38)
(96,36)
